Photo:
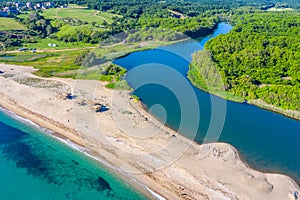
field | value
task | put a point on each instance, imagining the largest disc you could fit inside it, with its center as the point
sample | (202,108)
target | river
(266,140)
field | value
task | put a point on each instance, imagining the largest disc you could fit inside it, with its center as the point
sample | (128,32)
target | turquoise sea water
(266,140)
(35,166)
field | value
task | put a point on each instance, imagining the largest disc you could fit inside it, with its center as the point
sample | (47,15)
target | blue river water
(266,140)
(35,166)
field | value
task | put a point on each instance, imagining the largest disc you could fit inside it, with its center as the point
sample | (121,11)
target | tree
(49,29)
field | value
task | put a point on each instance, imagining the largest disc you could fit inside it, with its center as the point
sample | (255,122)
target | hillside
(84,15)
(10,24)
(259,59)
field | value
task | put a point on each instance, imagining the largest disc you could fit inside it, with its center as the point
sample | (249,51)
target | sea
(36,165)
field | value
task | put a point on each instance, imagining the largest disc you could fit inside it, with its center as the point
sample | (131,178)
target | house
(48,5)
(8,4)
(19,6)
(29,5)
(52,45)
(38,6)
(11,10)
(6,9)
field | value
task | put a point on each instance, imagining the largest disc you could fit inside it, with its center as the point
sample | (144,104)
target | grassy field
(107,16)
(10,24)
(77,13)
(80,13)
(68,29)
(48,64)
(42,44)
(62,63)
(77,6)
(22,57)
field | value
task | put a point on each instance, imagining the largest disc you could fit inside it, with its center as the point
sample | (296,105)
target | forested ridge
(193,18)
(260,58)
(187,6)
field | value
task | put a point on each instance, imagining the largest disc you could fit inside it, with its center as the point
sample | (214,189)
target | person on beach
(296,195)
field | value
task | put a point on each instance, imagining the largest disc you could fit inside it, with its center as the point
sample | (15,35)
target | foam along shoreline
(135,145)
(139,186)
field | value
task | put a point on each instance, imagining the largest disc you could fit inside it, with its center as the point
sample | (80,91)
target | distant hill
(225,3)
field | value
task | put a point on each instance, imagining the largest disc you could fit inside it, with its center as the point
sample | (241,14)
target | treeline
(196,22)
(86,34)
(192,26)
(260,58)
(194,18)
(136,9)
(189,7)
(15,38)
(256,3)
(37,26)
(37,23)
(137,15)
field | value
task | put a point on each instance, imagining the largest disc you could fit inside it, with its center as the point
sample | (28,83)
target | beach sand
(133,143)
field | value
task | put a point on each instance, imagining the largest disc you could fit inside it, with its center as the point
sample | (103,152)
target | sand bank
(134,144)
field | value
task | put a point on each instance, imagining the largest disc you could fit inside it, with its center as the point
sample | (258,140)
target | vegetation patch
(10,24)
(204,74)
(22,57)
(39,83)
(84,15)
(259,58)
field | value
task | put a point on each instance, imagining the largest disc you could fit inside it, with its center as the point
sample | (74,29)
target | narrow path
(182,16)
(54,50)
(96,15)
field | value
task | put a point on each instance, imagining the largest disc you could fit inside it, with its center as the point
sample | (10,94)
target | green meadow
(80,14)
(10,24)
(42,44)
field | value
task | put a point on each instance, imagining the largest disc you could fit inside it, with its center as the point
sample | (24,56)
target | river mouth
(266,140)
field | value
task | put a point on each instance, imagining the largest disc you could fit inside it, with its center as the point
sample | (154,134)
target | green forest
(258,59)
(99,20)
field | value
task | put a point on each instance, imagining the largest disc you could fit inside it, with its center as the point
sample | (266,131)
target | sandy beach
(133,143)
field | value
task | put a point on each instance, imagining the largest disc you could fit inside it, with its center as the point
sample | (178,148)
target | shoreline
(175,178)
(82,150)
(293,114)
(141,107)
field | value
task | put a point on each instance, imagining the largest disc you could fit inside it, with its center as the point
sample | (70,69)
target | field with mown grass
(80,14)
(10,24)
(42,44)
